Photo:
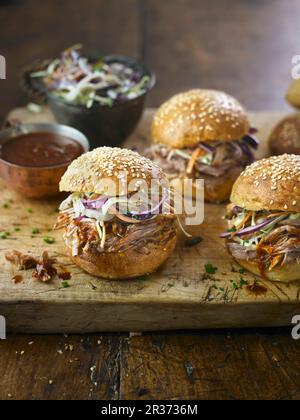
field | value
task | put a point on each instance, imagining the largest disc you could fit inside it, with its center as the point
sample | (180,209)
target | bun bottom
(217,190)
(285,274)
(123,265)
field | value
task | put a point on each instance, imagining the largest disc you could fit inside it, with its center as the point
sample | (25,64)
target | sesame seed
(279,175)
(85,172)
(210,108)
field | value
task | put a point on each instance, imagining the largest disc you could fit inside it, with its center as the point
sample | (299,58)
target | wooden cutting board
(179,296)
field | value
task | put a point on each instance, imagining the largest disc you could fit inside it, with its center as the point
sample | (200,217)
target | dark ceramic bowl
(104,125)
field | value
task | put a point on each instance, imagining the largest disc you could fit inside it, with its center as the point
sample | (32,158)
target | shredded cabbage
(77,80)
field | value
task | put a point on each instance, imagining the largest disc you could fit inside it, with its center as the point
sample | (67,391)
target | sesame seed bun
(293,94)
(284,274)
(269,184)
(217,190)
(285,137)
(87,173)
(199,116)
(129,264)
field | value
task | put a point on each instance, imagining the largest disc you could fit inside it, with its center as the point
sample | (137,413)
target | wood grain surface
(237,365)
(244,47)
(231,365)
(182,284)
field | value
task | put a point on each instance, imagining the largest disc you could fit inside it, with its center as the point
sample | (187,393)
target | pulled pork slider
(285,137)
(264,219)
(110,232)
(293,94)
(203,134)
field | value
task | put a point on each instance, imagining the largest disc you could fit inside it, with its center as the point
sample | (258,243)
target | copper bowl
(33,182)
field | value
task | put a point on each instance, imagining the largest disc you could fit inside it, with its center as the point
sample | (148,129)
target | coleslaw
(79,81)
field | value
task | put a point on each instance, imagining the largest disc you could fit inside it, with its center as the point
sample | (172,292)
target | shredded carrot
(245,220)
(276,215)
(198,152)
(275,261)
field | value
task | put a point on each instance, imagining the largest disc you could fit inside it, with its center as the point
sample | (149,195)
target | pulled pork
(276,246)
(44,266)
(45,269)
(22,261)
(120,236)
(281,246)
(240,252)
(223,157)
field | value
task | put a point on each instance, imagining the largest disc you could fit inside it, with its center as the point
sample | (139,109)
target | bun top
(293,94)
(285,138)
(199,116)
(269,184)
(106,171)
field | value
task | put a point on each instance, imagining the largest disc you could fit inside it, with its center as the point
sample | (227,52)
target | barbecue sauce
(260,252)
(42,149)
(257,289)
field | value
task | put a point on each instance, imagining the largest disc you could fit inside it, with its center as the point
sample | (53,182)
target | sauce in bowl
(40,149)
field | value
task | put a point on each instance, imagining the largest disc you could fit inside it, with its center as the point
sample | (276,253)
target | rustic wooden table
(243,47)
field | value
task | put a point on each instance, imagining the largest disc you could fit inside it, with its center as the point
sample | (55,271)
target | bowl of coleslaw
(104,97)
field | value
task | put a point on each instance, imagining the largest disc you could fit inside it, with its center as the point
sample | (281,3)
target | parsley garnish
(35,231)
(210,269)
(232,230)
(239,286)
(243,282)
(64,285)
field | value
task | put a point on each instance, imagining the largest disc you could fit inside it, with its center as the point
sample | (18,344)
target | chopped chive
(30,211)
(193,241)
(17,229)
(49,240)
(35,231)
(64,285)
(142,278)
(4,235)
(6,206)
